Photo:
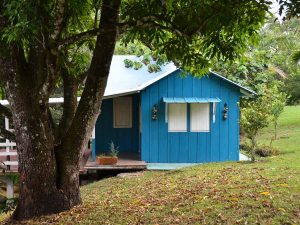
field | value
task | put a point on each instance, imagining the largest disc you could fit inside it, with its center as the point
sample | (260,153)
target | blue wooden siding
(220,144)
(126,138)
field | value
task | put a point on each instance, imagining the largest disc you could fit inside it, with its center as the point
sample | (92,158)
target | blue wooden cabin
(164,117)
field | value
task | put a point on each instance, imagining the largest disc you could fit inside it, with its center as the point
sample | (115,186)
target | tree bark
(38,194)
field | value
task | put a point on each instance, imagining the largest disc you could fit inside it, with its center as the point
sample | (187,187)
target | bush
(265,151)
(8,205)
(246,148)
(262,150)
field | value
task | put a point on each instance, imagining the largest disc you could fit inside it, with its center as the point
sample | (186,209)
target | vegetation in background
(278,101)
(270,60)
(280,42)
(259,112)
(255,115)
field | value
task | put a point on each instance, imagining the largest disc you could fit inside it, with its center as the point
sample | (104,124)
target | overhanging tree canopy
(44,42)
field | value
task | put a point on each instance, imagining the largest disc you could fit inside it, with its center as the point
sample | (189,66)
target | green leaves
(289,9)
(296,57)
(257,113)
(191,33)
(128,63)
(153,68)
(23,20)
(137,65)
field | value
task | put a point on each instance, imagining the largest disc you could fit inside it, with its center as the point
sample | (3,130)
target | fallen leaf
(282,185)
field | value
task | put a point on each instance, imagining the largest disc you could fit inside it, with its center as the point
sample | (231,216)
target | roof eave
(245,91)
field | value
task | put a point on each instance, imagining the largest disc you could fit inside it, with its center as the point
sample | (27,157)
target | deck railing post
(7,148)
(9,188)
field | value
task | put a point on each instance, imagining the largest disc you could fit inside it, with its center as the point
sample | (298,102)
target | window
(200,117)
(122,108)
(177,119)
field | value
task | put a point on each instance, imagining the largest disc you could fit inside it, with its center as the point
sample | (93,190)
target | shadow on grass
(259,160)
(287,152)
(172,172)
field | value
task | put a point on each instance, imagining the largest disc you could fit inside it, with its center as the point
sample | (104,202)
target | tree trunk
(275,130)
(49,165)
(37,165)
(38,192)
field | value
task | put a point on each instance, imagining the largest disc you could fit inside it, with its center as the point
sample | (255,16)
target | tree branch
(59,23)
(69,106)
(82,77)
(97,5)
(144,22)
(51,120)
(91,99)
(78,37)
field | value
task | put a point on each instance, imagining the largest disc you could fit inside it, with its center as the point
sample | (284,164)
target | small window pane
(200,117)
(122,112)
(177,119)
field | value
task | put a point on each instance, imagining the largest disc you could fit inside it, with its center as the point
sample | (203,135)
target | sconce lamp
(154,112)
(225,111)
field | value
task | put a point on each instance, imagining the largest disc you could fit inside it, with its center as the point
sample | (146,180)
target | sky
(274,9)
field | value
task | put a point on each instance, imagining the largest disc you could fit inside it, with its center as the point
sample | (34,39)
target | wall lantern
(225,111)
(154,112)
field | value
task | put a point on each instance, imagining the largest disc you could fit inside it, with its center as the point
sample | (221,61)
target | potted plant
(109,159)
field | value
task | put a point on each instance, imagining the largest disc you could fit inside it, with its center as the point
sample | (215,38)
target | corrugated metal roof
(190,100)
(123,80)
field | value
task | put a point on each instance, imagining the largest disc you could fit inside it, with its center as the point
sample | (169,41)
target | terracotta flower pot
(106,160)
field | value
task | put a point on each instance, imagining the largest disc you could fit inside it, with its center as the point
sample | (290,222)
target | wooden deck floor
(125,162)
(122,164)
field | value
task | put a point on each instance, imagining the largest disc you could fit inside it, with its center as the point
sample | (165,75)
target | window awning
(189,100)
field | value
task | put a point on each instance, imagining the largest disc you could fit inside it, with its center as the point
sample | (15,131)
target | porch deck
(125,162)
(122,164)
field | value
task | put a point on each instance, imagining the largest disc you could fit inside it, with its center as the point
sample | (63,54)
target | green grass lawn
(266,192)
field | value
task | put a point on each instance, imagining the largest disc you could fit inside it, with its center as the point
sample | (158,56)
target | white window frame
(182,117)
(115,112)
(192,119)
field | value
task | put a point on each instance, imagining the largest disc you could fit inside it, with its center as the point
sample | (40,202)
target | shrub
(128,63)
(8,205)
(262,150)
(137,65)
(245,147)
(153,68)
(146,59)
(265,151)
